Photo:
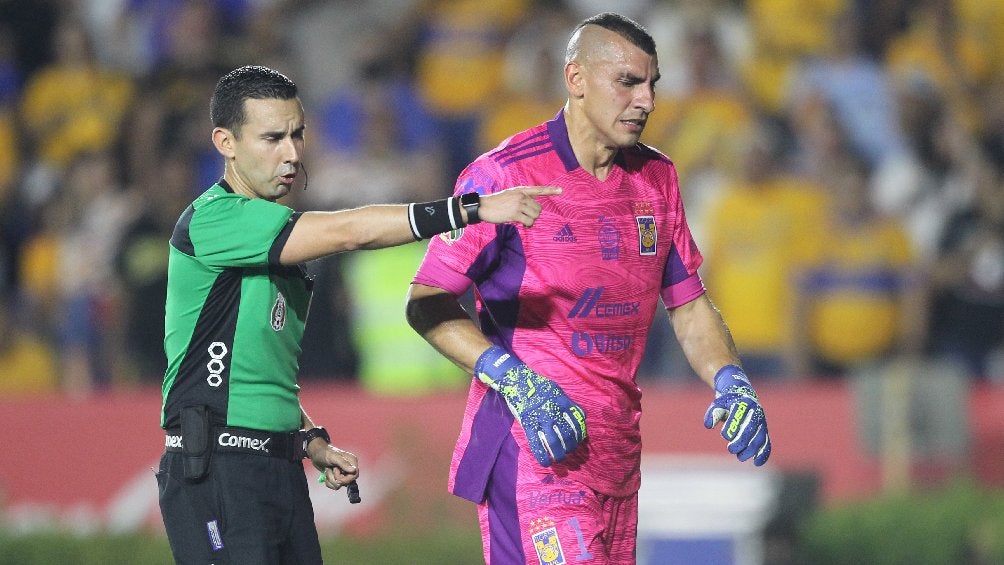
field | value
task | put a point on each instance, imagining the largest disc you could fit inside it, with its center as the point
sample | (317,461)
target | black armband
(430,218)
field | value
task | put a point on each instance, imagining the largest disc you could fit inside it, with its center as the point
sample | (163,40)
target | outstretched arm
(317,234)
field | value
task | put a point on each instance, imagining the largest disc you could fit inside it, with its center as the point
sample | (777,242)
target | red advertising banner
(88,464)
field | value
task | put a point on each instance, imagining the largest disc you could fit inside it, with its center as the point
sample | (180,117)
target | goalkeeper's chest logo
(545,541)
(279,312)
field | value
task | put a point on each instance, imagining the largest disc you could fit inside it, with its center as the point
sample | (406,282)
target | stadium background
(841,162)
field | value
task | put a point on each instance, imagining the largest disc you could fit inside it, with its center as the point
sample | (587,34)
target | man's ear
(223,140)
(574,79)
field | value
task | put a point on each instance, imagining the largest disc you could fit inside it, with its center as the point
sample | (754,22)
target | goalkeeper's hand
(554,425)
(737,405)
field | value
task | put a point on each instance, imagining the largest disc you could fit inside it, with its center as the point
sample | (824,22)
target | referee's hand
(339,467)
(517,204)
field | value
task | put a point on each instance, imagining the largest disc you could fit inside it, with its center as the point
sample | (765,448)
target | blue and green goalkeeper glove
(737,405)
(554,425)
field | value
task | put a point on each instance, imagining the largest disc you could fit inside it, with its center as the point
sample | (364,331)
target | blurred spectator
(704,127)
(927,184)
(672,23)
(29,25)
(13,224)
(859,301)
(329,41)
(881,21)
(785,32)
(10,95)
(27,361)
(374,133)
(857,88)
(72,105)
(141,263)
(171,110)
(460,67)
(936,52)
(759,233)
(377,146)
(530,92)
(968,279)
(983,21)
(140,35)
(90,213)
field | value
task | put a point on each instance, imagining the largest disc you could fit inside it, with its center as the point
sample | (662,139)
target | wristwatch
(313,433)
(471,201)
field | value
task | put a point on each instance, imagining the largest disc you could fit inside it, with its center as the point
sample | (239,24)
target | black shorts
(250,510)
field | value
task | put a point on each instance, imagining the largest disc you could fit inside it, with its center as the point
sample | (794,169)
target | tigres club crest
(647,234)
(545,541)
(279,312)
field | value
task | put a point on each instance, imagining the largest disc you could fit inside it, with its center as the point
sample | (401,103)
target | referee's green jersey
(234,316)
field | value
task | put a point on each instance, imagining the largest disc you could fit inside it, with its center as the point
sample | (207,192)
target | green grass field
(453,547)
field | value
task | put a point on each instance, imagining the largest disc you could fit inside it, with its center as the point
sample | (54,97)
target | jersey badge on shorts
(647,235)
(279,312)
(545,541)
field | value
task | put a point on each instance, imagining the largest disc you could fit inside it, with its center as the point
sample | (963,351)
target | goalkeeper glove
(554,425)
(745,424)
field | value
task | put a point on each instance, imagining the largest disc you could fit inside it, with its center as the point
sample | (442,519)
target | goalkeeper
(550,447)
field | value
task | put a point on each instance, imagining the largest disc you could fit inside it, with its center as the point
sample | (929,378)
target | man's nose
(291,151)
(645,98)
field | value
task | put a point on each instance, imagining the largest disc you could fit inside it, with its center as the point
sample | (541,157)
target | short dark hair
(226,108)
(624,27)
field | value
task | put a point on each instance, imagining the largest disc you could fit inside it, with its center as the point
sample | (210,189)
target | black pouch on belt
(195,447)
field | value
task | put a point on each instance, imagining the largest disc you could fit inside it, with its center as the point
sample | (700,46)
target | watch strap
(471,202)
(314,433)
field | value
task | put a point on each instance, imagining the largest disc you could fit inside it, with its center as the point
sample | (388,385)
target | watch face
(471,201)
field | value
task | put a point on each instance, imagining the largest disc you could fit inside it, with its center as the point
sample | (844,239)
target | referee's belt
(283,445)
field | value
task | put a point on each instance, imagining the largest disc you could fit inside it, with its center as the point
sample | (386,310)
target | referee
(232,483)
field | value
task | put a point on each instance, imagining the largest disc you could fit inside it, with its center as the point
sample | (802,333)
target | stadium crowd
(842,164)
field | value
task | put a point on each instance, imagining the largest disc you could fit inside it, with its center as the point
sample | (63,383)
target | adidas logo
(565,235)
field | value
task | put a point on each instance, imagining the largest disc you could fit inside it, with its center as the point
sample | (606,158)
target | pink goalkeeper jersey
(574,296)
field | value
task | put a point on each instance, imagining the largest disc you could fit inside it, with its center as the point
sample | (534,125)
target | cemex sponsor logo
(172,441)
(589,305)
(227,439)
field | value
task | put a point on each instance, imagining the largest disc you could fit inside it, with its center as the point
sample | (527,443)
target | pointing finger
(540,190)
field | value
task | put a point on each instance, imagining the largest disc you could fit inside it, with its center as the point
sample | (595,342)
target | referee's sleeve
(279,243)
